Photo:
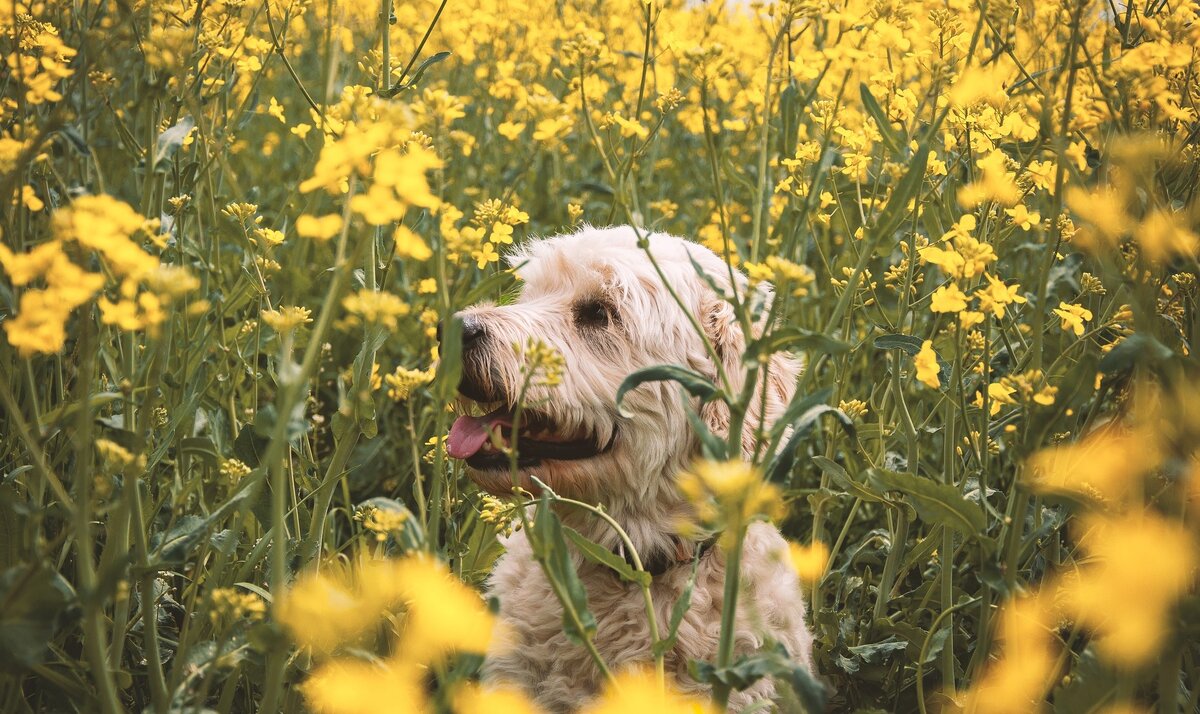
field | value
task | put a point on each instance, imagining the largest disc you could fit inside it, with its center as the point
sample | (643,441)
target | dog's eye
(592,313)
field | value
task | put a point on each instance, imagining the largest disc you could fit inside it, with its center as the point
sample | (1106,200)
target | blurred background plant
(230,229)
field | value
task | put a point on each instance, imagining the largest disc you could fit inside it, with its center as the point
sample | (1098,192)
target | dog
(596,298)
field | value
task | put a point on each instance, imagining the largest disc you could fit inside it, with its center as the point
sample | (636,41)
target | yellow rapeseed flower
(1138,565)
(637,692)
(809,562)
(471,698)
(1025,671)
(287,319)
(410,245)
(948,298)
(355,686)
(927,365)
(1073,317)
(319,228)
(376,307)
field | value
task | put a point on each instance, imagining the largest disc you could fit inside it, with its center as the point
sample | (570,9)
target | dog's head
(595,298)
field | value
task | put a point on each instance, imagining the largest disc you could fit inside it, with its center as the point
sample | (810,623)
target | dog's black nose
(472,331)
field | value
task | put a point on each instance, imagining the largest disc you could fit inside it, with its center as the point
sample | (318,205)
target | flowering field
(230,229)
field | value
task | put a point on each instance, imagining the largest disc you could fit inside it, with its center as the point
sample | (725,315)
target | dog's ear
(724,333)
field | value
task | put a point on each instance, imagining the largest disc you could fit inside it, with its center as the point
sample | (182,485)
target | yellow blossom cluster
(55,285)
(337,606)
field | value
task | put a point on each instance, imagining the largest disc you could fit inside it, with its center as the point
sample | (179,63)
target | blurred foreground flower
(637,692)
(810,561)
(728,494)
(337,606)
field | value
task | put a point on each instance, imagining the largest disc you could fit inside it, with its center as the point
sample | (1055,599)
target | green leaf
(1137,349)
(493,286)
(362,403)
(603,556)
(172,139)
(877,651)
(842,478)
(176,545)
(449,371)
(907,343)
(693,382)
(936,503)
(62,413)
(789,118)
(550,548)
(906,190)
(881,120)
(781,465)
(772,660)
(249,447)
(416,75)
(34,601)
(682,605)
(790,338)
(713,447)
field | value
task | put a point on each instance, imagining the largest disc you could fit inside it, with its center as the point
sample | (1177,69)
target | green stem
(733,562)
(647,596)
(95,634)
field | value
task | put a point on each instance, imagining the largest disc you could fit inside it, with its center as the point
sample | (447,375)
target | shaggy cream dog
(596,298)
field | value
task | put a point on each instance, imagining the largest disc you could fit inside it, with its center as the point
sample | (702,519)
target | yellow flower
(104,224)
(23,268)
(320,228)
(1022,217)
(471,698)
(1077,153)
(927,365)
(379,206)
(1073,317)
(268,237)
(410,245)
(1138,565)
(346,686)
(1161,235)
(376,307)
(1103,212)
(510,130)
(322,611)
(405,174)
(229,604)
(948,298)
(381,521)
(1025,672)
(286,319)
(1104,466)
(809,562)
(635,692)
(486,254)
(427,286)
(949,260)
(976,84)
(996,296)
(549,130)
(444,615)
(276,110)
(729,493)
(995,183)
(403,381)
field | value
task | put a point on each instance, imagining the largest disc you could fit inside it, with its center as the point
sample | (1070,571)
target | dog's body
(594,297)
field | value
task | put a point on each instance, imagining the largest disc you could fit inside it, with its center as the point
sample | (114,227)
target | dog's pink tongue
(467,436)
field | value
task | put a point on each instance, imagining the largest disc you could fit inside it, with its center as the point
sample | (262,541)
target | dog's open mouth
(475,438)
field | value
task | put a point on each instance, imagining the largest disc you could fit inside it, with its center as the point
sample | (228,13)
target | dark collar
(681,552)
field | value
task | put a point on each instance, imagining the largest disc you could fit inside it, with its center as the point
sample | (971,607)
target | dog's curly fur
(651,442)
